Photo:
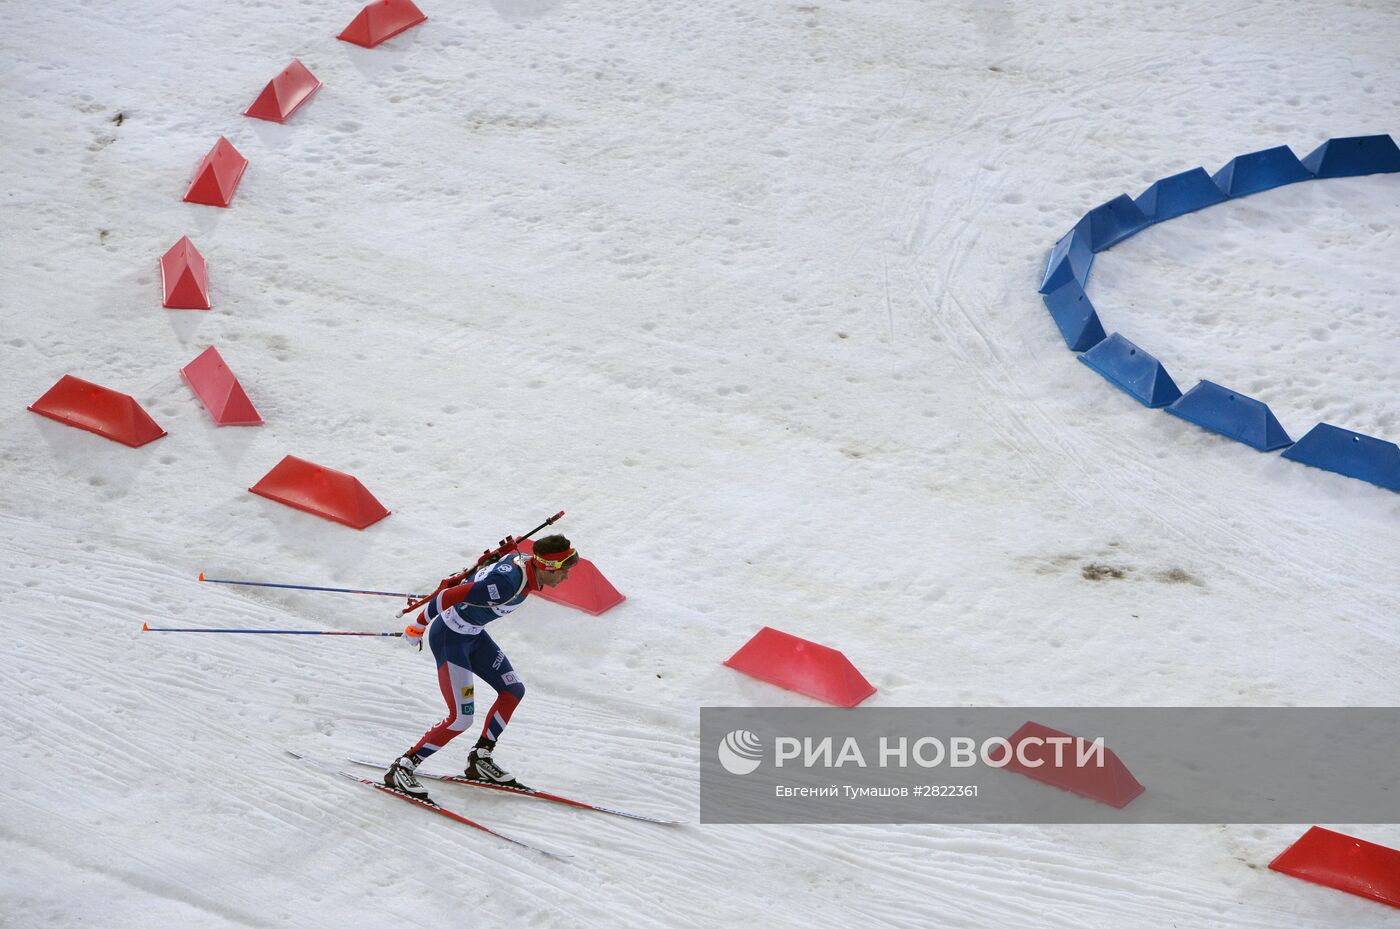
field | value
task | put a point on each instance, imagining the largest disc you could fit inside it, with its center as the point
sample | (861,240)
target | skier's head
(553,557)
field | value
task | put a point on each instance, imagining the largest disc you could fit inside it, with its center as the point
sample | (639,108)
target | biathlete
(455,621)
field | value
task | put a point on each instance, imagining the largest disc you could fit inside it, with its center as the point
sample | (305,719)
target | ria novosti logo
(741,752)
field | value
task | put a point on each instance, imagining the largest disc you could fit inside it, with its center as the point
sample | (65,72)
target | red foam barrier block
(1109,783)
(284,94)
(217,176)
(586,589)
(320,491)
(1344,863)
(219,390)
(184,277)
(381,20)
(806,667)
(116,416)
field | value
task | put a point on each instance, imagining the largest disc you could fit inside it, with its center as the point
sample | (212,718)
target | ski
(530,792)
(426,804)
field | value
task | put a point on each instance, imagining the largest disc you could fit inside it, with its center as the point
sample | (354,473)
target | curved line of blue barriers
(1208,404)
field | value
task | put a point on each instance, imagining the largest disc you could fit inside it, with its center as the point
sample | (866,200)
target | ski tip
(201,575)
(145,627)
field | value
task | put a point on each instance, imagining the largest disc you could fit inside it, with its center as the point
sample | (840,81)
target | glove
(413,636)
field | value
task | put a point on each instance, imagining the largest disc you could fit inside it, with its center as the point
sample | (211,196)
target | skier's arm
(445,600)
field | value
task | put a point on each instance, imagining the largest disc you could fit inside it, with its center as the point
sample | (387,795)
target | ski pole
(337,590)
(146,627)
(509,543)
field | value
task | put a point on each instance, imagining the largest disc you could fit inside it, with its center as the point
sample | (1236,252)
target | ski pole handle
(509,543)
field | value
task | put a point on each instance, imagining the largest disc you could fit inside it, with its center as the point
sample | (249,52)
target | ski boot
(400,777)
(483,768)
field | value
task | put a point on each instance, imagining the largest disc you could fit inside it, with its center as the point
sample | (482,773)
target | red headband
(554,560)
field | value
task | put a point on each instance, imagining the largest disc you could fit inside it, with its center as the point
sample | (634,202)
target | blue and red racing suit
(456,621)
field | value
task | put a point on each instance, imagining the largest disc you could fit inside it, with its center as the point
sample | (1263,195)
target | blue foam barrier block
(1231,414)
(1354,454)
(1070,259)
(1354,155)
(1132,370)
(1075,315)
(1262,170)
(1179,194)
(1112,222)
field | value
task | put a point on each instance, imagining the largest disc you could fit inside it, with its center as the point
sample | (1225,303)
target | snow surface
(749,290)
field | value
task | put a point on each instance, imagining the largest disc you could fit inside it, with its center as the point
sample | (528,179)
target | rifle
(507,545)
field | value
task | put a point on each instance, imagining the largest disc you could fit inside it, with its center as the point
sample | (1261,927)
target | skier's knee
(511,684)
(462,723)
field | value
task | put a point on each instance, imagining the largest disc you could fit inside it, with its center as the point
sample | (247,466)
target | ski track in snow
(782,260)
